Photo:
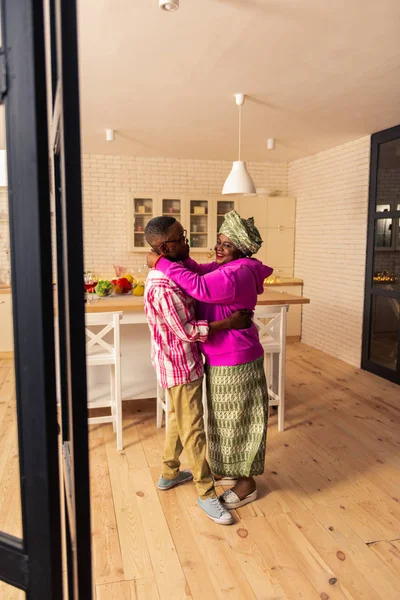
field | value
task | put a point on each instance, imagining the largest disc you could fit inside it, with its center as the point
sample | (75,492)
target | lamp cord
(240,128)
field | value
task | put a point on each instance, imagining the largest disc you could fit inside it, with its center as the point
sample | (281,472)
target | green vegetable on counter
(104,288)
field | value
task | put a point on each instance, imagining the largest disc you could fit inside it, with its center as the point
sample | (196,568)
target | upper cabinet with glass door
(172,206)
(142,208)
(199,223)
(222,208)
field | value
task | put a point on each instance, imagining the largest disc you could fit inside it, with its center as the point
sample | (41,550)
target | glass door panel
(386,264)
(172,208)
(223,207)
(384,234)
(384,331)
(143,211)
(10,494)
(199,224)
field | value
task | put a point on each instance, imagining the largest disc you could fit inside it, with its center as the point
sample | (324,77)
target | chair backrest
(269,321)
(111,321)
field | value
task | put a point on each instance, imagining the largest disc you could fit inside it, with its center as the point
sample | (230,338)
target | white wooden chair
(99,353)
(162,406)
(271,324)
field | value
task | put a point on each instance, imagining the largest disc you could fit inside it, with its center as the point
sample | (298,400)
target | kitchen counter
(130,303)
(138,376)
(6,288)
(283,281)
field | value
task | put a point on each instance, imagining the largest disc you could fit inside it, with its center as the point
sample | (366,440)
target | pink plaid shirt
(174,331)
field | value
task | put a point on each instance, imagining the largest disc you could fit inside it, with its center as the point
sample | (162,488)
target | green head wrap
(242,232)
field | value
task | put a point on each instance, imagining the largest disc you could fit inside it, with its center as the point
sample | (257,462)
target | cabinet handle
(280,227)
(2,301)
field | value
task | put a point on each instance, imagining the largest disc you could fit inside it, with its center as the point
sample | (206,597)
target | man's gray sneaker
(167,484)
(215,511)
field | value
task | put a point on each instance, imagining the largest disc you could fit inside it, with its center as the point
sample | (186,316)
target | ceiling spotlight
(270,144)
(169,5)
(110,135)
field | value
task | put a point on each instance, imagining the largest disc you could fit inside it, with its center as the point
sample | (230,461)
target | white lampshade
(239,180)
(3,169)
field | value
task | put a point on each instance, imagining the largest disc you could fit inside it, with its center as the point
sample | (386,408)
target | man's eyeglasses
(183,239)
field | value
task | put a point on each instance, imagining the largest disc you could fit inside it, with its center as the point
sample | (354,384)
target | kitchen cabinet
(280,234)
(6,323)
(206,213)
(142,207)
(254,206)
(173,206)
(221,208)
(199,222)
(202,215)
(280,249)
(275,218)
(281,212)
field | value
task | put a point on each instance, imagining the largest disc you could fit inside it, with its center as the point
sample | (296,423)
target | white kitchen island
(138,375)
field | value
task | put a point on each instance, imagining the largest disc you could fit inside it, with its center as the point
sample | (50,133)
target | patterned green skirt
(237,419)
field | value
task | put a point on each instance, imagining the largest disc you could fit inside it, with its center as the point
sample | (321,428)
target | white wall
(331,189)
(107,180)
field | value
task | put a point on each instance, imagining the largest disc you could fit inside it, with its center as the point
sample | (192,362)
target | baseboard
(291,339)
(5,355)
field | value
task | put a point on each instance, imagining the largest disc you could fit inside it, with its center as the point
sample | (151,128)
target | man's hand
(151,259)
(241,319)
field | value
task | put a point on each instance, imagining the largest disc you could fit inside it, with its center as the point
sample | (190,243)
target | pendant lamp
(239,180)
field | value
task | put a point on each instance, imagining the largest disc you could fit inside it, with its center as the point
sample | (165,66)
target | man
(179,366)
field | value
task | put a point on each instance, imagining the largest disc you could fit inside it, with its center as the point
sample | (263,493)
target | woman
(236,386)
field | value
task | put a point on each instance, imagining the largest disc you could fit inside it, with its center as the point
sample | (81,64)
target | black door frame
(71,315)
(377,139)
(34,564)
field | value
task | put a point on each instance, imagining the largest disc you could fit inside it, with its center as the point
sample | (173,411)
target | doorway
(381,334)
(40,92)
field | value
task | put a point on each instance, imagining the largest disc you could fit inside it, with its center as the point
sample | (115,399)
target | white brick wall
(108,179)
(331,189)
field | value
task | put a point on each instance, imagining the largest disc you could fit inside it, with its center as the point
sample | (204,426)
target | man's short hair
(157,228)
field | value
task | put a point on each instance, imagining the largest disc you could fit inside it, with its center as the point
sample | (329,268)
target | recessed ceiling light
(169,5)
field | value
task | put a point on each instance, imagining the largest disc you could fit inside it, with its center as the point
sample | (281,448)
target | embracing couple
(206,309)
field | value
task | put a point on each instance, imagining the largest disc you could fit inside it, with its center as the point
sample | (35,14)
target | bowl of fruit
(123,284)
(104,288)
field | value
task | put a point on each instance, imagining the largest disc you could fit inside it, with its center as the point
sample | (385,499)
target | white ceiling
(317,73)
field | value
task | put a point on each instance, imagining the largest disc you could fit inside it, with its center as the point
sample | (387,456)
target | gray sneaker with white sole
(215,511)
(167,484)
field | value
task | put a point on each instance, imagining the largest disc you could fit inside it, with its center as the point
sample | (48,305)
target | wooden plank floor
(326,524)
